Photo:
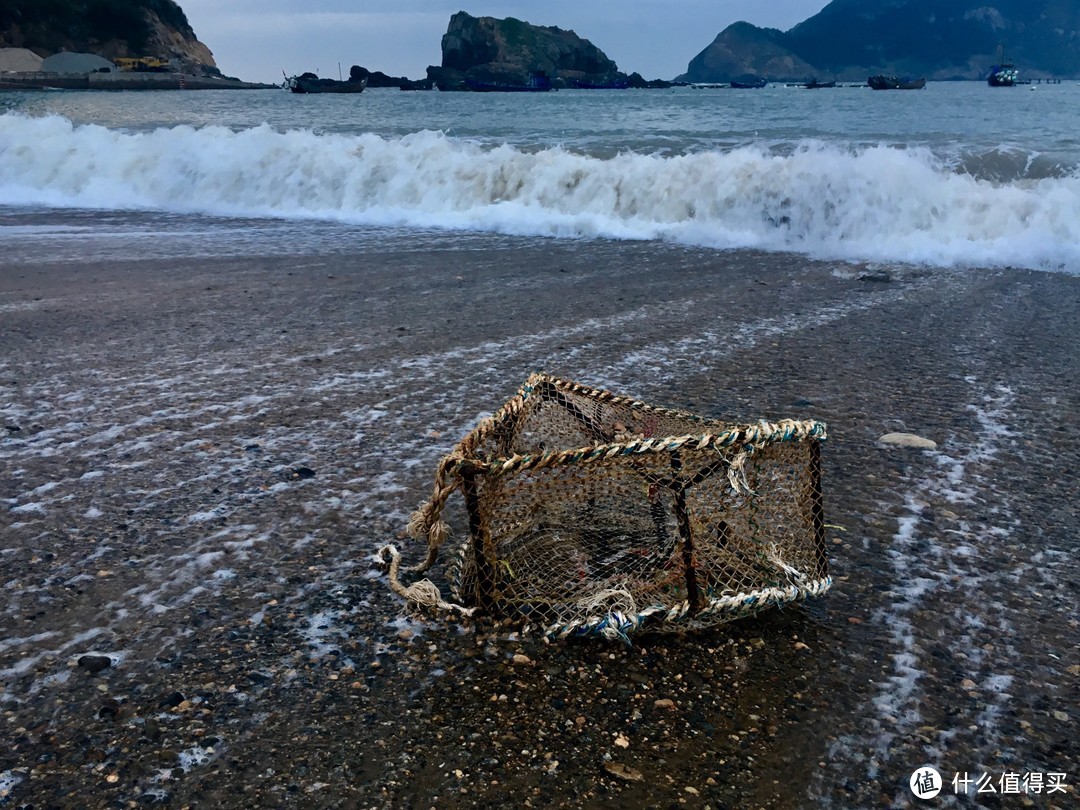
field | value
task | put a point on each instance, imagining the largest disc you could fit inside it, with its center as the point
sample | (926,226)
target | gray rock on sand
(908,440)
(95,663)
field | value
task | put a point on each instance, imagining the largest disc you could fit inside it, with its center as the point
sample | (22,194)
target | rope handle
(422,593)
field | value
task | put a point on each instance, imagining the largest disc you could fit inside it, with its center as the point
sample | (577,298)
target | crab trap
(595,514)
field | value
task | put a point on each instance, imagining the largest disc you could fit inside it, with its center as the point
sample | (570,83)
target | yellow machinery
(142,64)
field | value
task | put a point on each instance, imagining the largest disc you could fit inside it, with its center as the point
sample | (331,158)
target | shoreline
(123,81)
(151,511)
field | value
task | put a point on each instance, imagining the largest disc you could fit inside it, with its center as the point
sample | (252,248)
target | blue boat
(1003,74)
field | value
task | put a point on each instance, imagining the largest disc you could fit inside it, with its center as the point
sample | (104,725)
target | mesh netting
(590,513)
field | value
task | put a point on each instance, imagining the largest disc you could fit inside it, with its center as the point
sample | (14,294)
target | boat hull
(1002,76)
(894,83)
(298,84)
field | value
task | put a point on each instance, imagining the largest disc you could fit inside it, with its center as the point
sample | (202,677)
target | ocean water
(956,174)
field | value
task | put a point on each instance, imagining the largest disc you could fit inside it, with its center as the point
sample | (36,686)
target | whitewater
(839,180)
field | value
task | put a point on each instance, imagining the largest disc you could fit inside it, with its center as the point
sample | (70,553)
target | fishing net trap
(590,513)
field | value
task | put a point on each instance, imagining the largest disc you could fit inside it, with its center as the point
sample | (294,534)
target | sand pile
(68,62)
(19,60)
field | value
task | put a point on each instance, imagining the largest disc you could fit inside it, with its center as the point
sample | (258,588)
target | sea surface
(955,174)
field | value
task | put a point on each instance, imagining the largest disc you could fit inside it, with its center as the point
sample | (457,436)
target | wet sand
(200,455)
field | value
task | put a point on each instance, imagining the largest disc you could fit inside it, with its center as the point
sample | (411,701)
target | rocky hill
(509,50)
(744,50)
(851,39)
(110,28)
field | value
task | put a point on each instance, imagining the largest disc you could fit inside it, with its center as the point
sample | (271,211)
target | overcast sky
(256,40)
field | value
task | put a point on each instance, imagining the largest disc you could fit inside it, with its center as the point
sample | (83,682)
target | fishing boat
(539,82)
(894,83)
(752,84)
(814,84)
(1003,74)
(311,83)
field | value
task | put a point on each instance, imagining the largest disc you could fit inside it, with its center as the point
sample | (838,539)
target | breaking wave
(824,200)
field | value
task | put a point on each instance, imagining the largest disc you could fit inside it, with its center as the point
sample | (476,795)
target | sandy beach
(202,447)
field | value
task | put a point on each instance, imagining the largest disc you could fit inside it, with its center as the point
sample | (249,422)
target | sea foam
(825,200)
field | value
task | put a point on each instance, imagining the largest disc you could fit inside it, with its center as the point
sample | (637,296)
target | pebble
(522,659)
(968,684)
(800,646)
(171,701)
(908,440)
(95,663)
(664,703)
(624,772)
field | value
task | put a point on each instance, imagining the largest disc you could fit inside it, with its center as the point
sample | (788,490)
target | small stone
(302,473)
(579,720)
(112,778)
(109,709)
(968,684)
(908,440)
(854,620)
(693,791)
(622,742)
(664,703)
(95,663)
(800,646)
(624,772)
(1061,716)
(522,659)
(1074,669)
(171,701)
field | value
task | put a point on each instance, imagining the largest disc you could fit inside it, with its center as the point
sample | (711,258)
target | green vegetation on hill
(51,25)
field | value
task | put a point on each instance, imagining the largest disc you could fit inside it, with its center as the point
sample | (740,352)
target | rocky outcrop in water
(510,50)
